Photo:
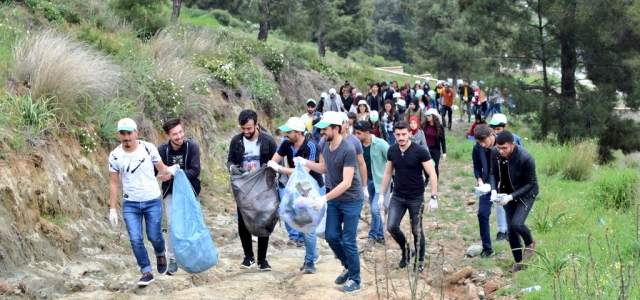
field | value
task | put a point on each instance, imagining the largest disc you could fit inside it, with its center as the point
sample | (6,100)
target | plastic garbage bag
(192,243)
(295,208)
(482,189)
(257,199)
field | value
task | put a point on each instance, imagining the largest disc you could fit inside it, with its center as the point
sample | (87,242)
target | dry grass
(72,73)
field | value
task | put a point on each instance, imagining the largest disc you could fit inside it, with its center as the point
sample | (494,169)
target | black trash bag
(257,199)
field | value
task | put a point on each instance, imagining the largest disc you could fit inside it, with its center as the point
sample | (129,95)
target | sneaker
(173,266)
(516,267)
(486,253)
(351,286)
(317,259)
(300,244)
(247,263)
(381,241)
(370,244)
(264,266)
(147,278)
(419,267)
(528,250)
(460,120)
(343,277)
(309,267)
(162,264)
(502,236)
(292,243)
(403,263)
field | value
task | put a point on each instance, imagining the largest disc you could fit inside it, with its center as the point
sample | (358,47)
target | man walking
(134,160)
(333,103)
(344,198)
(466,93)
(250,150)
(447,96)
(407,160)
(183,152)
(297,145)
(375,157)
(513,174)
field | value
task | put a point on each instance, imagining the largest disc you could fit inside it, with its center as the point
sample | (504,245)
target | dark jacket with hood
(375,102)
(482,161)
(236,149)
(188,157)
(521,170)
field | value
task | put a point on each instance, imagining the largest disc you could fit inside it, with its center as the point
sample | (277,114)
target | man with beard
(407,160)
(386,92)
(134,160)
(311,118)
(344,198)
(296,144)
(250,150)
(185,153)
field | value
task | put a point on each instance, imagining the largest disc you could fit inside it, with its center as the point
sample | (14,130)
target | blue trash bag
(295,207)
(192,243)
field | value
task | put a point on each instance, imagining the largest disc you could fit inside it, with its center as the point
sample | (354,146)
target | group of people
(374,151)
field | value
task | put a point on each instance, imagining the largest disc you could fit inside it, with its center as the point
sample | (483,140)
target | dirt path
(113,273)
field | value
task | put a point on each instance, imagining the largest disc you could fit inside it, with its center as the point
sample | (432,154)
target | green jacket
(379,148)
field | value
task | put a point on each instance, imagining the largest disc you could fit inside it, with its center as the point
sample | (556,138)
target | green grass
(57,220)
(201,20)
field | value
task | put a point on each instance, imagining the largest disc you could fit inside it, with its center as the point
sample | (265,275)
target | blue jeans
(493,108)
(310,239)
(484,211)
(133,213)
(397,208)
(341,234)
(376,231)
(501,218)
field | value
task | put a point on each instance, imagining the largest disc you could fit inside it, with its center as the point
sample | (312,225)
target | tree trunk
(264,22)
(321,47)
(177,4)
(568,64)
(543,118)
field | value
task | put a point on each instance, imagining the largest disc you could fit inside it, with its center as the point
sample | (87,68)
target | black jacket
(375,102)
(521,171)
(190,164)
(236,149)
(470,92)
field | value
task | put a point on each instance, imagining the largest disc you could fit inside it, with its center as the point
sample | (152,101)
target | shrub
(106,117)
(88,142)
(616,189)
(77,77)
(223,16)
(220,70)
(37,115)
(146,16)
(48,10)
(563,161)
(260,88)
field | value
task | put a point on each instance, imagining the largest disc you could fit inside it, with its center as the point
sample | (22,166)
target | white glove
(494,196)
(274,165)
(319,202)
(504,200)
(381,203)
(172,170)
(113,218)
(366,192)
(482,189)
(444,156)
(230,168)
(299,160)
(433,205)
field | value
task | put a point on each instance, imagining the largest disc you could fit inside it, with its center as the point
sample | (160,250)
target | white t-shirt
(251,161)
(139,182)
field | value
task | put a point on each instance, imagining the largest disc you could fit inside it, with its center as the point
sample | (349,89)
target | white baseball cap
(127,124)
(295,124)
(332,91)
(373,115)
(358,94)
(330,118)
(397,95)
(362,102)
(419,93)
(498,119)
(323,95)
(417,82)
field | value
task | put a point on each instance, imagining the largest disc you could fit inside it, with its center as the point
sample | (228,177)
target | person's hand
(231,168)
(433,203)
(381,203)
(172,170)
(319,202)
(365,191)
(299,160)
(274,165)
(494,196)
(504,200)
(444,156)
(482,189)
(113,218)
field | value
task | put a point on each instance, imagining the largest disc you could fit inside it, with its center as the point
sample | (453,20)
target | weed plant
(616,189)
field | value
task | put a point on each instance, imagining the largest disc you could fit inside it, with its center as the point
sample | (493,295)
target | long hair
(436,123)
(391,113)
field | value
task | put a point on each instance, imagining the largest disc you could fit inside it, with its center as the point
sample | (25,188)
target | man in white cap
(134,160)
(333,103)
(296,144)
(499,124)
(343,199)
(320,104)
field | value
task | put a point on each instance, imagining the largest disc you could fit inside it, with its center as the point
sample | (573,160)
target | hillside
(73,68)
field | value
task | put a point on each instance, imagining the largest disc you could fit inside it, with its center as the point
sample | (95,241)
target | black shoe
(380,241)
(343,276)
(502,236)
(310,267)
(486,253)
(248,263)
(419,267)
(162,264)
(300,244)
(264,266)
(403,263)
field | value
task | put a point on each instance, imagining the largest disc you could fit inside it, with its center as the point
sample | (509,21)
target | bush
(226,19)
(25,112)
(48,10)
(106,118)
(616,189)
(261,89)
(146,16)
(220,70)
(77,77)
(563,161)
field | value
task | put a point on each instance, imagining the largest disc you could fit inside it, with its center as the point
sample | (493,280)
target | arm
(386,177)
(347,178)
(193,165)
(493,171)
(230,156)
(114,186)
(362,167)
(319,167)
(433,177)
(288,171)
(528,171)
(477,165)
(443,141)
